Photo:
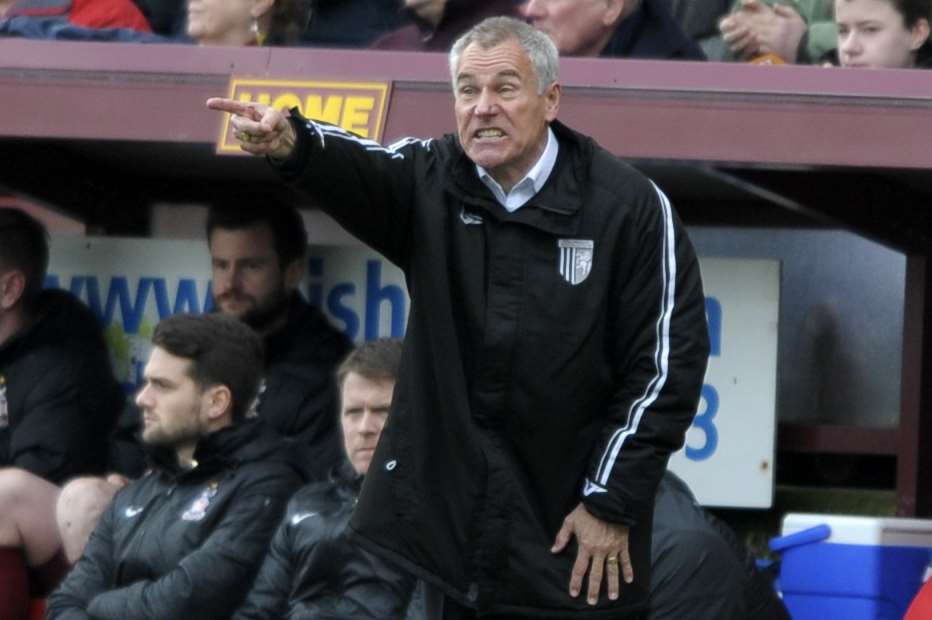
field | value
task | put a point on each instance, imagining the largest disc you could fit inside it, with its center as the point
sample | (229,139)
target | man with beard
(185,540)
(257,261)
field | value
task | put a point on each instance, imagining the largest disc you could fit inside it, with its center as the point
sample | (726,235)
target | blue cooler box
(838,567)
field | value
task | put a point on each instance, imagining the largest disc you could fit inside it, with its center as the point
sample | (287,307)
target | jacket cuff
(600,510)
(292,167)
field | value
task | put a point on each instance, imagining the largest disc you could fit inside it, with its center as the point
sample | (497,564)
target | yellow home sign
(355,106)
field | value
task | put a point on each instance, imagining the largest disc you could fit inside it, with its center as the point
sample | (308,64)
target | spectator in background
(798,31)
(616,28)
(880,34)
(93,14)
(312,569)
(438,23)
(186,539)
(351,23)
(241,22)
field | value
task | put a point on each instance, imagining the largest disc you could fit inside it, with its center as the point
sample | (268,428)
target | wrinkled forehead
(504,58)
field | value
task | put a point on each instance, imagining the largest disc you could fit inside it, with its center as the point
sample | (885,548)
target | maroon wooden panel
(713,112)
(836,439)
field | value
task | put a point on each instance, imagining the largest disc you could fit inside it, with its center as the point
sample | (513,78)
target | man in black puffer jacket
(258,256)
(313,571)
(58,397)
(186,539)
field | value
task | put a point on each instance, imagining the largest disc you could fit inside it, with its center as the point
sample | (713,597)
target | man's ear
(294,273)
(920,33)
(219,402)
(552,101)
(613,12)
(12,285)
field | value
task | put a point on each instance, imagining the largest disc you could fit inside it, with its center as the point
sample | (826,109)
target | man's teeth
(490,133)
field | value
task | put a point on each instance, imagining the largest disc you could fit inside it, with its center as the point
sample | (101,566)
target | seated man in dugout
(313,570)
(258,254)
(257,258)
(185,540)
(58,403)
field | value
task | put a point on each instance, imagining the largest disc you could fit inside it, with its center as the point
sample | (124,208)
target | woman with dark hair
(247,22)
(884,33)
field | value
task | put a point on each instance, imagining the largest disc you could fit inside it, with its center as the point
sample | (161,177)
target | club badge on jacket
(198,508)
(575,259)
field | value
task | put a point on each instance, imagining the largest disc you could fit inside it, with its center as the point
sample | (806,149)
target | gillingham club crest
(575,259)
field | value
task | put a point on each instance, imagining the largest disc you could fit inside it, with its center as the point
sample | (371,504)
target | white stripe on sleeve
(661,352)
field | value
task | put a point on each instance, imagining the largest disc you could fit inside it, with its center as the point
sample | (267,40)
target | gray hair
(496,30)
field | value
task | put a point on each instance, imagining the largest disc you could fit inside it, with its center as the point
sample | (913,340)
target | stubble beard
(263,315)
(173,438)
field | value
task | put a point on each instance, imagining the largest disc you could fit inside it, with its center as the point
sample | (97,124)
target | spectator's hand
(602,546)
(260,129)
(739,29)
(781,33)
(757,29)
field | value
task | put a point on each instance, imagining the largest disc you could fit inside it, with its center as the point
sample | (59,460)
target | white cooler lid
(859,530)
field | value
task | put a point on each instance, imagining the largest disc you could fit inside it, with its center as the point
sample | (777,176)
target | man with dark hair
(58,396)
(58,403)
(313,570)
(185,540)
(257,261)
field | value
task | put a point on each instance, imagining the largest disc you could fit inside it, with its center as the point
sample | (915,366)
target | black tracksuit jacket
(61,396)
(299,396)
(183,544)
(553,355)
(313,572)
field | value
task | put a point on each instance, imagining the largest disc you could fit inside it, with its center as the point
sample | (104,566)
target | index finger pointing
(233,107)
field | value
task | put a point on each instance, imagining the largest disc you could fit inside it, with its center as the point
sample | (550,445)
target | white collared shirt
(533,181)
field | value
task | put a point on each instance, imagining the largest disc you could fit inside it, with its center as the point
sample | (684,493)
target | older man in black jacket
(556,342)
(186,539)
